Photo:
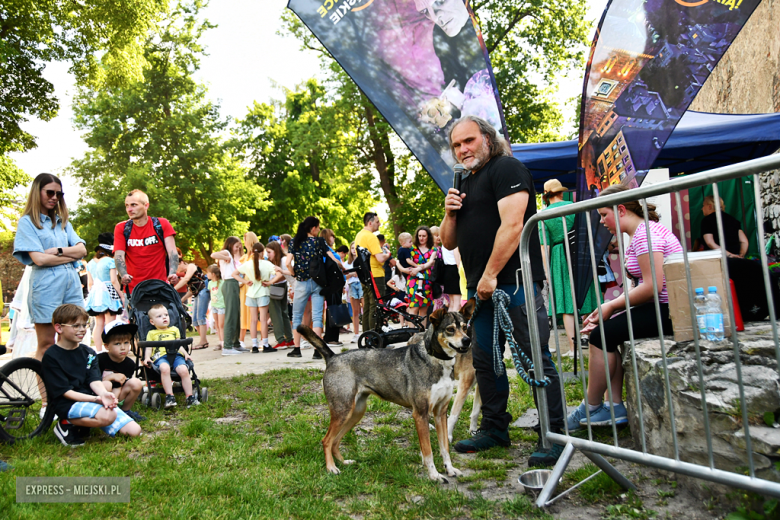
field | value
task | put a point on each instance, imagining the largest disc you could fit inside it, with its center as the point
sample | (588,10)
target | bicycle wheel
(21,395)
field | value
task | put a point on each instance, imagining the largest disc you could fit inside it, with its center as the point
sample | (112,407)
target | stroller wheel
(156,401)
(370,339)
(204,395)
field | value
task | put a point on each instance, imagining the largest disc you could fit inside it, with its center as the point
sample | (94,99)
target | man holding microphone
(484,220)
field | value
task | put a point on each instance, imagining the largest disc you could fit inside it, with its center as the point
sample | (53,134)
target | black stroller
(145,295)
(383,335)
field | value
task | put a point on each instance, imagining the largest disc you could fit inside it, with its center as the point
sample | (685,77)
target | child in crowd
(158,316)
(73,381)
(404,253)
(354,291)
(257,274)
(217,302)
(117,371)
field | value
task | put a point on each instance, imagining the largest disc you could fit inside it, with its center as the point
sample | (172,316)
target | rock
(764,440)
(761,383)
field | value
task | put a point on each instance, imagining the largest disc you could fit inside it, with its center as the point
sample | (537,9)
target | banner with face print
(648,61)
(422,63)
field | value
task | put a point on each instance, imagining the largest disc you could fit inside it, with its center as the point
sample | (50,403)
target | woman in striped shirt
(632,221)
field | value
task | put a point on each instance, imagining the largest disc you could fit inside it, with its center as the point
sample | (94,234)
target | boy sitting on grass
(76,390)
(158,316)
(117,370)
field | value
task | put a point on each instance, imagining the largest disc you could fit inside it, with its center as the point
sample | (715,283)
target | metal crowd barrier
(594,450)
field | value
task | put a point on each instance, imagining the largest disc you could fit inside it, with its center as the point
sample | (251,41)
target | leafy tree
(77,31)
(161,135)
(11,176)
(530,43)
(302,152)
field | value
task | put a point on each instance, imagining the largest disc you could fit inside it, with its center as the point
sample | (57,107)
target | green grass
(253,451)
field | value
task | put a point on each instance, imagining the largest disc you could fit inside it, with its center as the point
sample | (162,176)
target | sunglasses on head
(52,193)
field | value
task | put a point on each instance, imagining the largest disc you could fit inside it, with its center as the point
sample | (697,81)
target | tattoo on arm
(173,262)
(119,260)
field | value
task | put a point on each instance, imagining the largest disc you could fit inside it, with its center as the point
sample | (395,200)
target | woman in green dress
(558,277)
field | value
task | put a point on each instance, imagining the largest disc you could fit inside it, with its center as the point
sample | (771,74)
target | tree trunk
(384,161)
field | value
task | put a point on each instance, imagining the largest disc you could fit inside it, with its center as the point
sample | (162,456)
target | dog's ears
(468,309)
(437,316)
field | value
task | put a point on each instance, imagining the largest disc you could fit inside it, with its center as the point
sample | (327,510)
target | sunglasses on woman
(52,193)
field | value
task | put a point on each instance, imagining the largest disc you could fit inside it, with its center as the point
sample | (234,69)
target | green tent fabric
(737,195)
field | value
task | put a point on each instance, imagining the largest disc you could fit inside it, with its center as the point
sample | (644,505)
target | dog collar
(429,346)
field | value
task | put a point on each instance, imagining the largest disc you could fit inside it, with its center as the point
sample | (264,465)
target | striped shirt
(663,241)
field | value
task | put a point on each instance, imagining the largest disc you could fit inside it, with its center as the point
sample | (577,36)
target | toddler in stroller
(167,366)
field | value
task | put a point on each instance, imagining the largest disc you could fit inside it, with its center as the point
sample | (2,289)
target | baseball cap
(118,327)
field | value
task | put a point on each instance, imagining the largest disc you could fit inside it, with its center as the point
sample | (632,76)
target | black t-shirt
(478,219)
(65,370)
(731,227)
(404,254)
(109,366)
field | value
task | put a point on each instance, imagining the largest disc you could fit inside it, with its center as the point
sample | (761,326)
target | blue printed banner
(648,61)
(422,63)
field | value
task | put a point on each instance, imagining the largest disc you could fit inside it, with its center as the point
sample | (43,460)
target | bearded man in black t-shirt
(484,220)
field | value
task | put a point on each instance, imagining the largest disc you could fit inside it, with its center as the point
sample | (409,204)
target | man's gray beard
(482,157)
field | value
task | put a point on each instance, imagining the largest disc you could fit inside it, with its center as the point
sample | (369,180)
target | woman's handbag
(339,315)
(278,291)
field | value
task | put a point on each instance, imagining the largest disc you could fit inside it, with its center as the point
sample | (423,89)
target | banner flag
(647,63)
(422,63)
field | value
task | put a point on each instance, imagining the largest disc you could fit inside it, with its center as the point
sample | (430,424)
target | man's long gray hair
(496,142)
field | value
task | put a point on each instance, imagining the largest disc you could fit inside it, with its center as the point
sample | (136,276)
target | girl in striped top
(631,217)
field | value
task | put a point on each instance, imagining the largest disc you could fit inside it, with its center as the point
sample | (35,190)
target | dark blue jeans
(493,389)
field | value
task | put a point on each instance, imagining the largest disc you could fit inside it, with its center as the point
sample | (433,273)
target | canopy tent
(701,141)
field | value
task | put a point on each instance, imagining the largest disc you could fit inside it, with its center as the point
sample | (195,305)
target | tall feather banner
(648,61)
(422,63)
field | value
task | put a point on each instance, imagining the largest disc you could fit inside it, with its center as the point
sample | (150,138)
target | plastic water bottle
(714,315)
(700,303)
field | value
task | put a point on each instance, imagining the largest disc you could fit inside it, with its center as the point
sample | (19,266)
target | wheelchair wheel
(370,339)
(204,395)
(22,393)
(156,401)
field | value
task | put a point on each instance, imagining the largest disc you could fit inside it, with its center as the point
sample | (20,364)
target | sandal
(200,347)
(218,347)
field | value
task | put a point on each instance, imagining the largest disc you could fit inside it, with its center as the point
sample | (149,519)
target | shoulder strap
(158,229)
(128,229)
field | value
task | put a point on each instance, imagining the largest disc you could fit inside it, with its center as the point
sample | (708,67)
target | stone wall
(747,81)
(762,394)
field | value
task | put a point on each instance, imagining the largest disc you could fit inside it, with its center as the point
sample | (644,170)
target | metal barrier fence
(595,450)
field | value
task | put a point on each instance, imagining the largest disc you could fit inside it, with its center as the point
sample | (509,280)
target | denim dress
(52,286)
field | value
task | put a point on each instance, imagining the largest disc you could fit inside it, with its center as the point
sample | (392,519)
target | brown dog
(417,376)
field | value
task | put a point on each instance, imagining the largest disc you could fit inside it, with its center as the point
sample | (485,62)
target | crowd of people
(253,287)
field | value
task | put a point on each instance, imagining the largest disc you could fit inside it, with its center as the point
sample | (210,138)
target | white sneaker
(354,338)
(305,344)
(230,352)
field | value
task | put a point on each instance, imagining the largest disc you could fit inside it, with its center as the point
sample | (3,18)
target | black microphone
(457,172)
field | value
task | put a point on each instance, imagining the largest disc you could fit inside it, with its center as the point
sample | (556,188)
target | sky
(247,61)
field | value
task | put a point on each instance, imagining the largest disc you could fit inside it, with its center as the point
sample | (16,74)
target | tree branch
(516,19)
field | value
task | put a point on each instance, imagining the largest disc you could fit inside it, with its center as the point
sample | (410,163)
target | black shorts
(451,279)
(644,325)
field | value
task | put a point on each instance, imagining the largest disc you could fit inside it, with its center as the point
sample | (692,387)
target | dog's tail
(316,341)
